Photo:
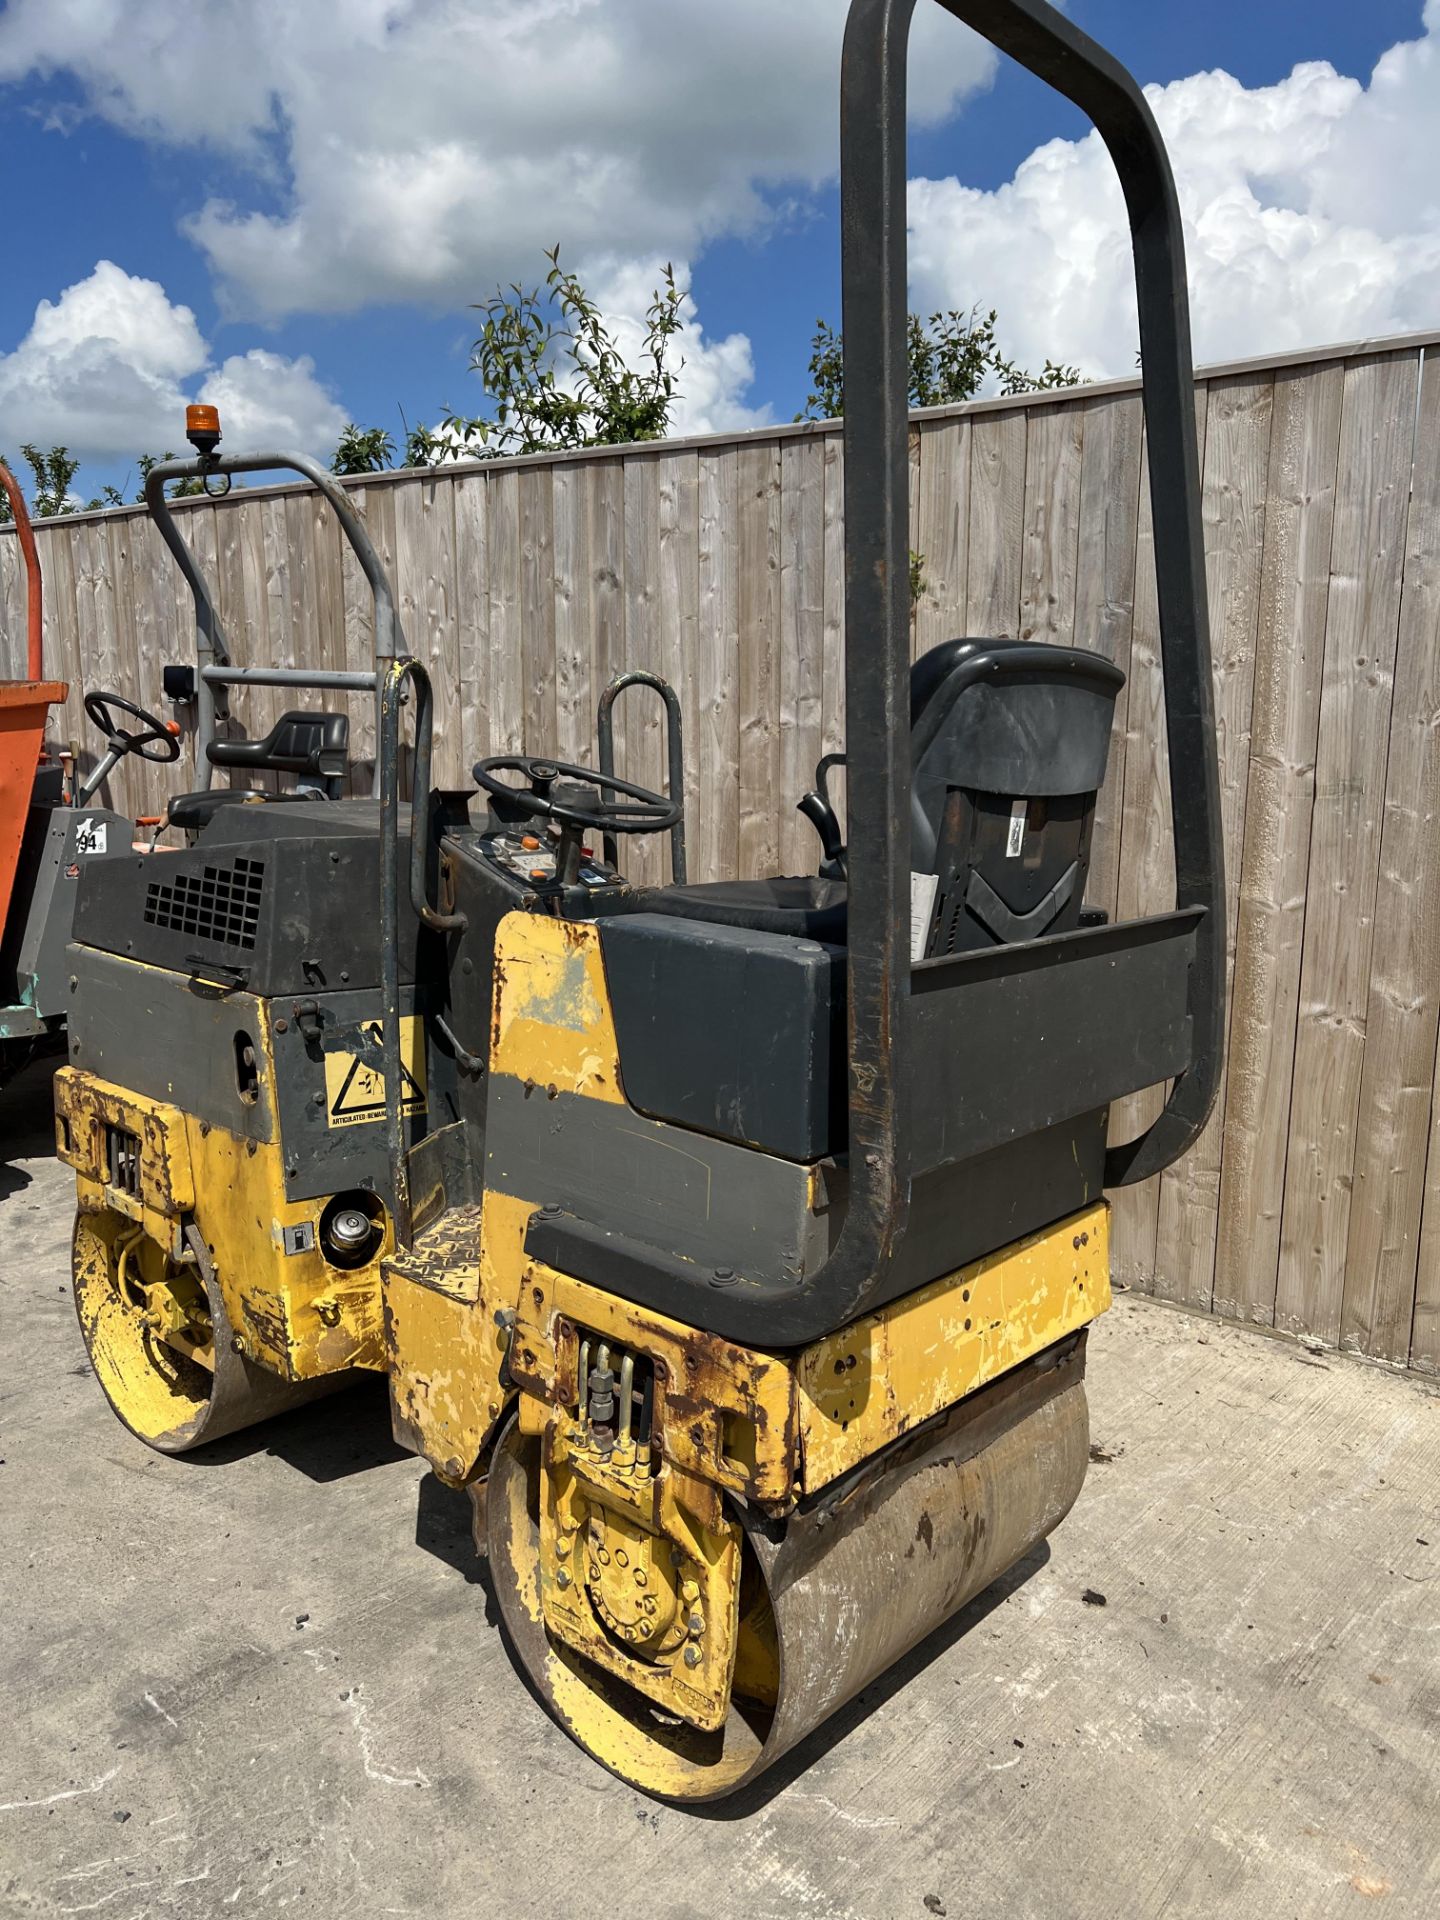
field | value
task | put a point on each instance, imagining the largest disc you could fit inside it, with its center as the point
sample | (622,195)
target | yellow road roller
(733,1243)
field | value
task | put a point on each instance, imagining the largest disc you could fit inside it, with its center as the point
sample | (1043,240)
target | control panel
(529,862)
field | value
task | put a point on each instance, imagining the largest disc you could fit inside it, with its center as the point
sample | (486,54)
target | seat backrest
(1009,740)
(308,744)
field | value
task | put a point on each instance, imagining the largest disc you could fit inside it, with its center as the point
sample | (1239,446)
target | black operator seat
(1009,740)
(312,746)
(1008,747)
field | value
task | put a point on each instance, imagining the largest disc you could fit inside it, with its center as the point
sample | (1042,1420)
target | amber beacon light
(202,428)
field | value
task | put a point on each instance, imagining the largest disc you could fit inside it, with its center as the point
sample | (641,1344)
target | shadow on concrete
(346,1433)
(443,1526)
(13,1180)
(27,1120)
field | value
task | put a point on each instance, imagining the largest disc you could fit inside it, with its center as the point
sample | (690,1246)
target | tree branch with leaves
(363,450)
(557,377)
(951,355)
(53,471)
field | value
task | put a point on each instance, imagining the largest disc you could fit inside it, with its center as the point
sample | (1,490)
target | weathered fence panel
(1312,1201)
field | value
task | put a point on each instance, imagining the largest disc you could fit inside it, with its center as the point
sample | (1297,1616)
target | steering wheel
(651,813)
(158,733)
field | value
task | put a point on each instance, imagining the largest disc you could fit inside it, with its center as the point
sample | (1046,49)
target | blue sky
(111,155)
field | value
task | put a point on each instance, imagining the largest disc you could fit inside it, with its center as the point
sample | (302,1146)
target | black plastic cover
(277,899)
(798,905)
(192,811)
(732,1032)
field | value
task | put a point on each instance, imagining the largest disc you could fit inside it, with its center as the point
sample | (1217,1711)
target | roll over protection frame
(874,309)
(926,1087)
(213,654)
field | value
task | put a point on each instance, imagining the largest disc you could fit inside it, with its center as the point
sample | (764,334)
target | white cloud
(269,402)
(711,376)
(100,366)
(1312,214)
(424,149)
(107,368)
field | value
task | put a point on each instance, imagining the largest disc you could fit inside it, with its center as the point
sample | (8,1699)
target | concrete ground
(267,1680)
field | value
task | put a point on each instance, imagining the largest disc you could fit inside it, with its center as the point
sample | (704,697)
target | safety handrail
(675,777)
(338,679)
(877,610)
(34,606)
(210,645)
(392,689)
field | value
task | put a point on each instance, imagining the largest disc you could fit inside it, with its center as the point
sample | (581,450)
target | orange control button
(538,873)
(529,842)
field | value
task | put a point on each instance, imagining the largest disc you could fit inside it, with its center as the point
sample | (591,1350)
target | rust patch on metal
(443,1346)
(90,1105)
(267,1321)
(500,982)
(702,1383)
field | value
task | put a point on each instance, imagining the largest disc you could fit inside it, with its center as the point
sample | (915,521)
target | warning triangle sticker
(355,1090)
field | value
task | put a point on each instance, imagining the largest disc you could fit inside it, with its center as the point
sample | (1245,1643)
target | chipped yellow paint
(762,1425)
(503,1221)
(164,1179)
(445,1348)
(771,1426)
(305,1317)
(729,1421)
(616,1724)
(157,1389)
(633,1577)
(297,1315)
(722,1412)
(805,1421)
(884,1374)
(844,1399)
(552,1022)
(597,1537)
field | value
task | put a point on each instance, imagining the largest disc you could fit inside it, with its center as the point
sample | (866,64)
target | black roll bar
(874,308)
(675,744)
(392,689)
(212,651)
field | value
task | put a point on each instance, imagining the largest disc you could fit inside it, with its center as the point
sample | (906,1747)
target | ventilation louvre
(122,1159)
(218,903)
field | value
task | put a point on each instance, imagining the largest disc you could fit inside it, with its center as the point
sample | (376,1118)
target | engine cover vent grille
(218,903)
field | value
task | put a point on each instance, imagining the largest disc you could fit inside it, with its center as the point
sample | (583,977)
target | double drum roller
(161,1341)
(827,1602)
(732,1243)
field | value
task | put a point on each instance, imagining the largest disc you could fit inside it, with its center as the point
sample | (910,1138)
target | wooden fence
(1312,1202)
